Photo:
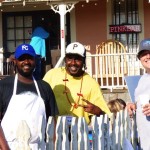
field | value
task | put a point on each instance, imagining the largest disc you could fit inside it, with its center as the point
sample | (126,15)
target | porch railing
(7,68)
(109,70)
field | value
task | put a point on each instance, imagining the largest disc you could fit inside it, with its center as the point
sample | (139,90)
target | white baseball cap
(76,48)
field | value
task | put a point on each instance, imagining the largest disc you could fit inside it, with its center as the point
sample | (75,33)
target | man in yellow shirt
(76,93)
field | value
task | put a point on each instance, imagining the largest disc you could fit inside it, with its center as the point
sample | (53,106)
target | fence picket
(50,134)
(96,133)
(81,144)
(42,126)
(86,138)
(122,128)
(134,136)
(58,134)
(74,131)
(65,133)
(115,133)
(106,133)
(119,133)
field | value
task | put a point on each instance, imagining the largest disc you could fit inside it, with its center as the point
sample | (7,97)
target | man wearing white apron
(142,97)
(29,99)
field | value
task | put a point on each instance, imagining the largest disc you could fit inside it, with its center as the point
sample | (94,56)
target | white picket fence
(107,134)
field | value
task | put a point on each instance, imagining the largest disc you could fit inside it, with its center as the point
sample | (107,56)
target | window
(126,12)
(18,27)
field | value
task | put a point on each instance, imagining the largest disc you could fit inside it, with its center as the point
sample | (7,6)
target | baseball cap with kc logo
(24,49)
(76,48)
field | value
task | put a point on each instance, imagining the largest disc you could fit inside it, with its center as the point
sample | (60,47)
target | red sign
(62,33)
(124,28)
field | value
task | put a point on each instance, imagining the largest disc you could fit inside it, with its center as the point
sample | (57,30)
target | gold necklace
(78,94)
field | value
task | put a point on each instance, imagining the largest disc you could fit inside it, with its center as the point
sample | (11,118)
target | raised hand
(91,108)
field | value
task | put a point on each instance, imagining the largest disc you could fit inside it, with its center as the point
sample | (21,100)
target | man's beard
(25,74)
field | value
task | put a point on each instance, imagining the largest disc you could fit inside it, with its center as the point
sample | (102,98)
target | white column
(62,9)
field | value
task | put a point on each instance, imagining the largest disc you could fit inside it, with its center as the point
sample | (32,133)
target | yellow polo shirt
(89,88)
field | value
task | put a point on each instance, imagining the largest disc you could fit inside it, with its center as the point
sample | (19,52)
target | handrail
(110,75)
(60,62)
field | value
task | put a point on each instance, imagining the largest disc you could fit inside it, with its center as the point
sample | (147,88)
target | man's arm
(3,142)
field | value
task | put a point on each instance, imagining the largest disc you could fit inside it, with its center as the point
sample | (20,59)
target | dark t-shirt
(6,92)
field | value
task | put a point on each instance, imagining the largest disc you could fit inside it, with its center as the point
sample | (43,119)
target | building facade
(89,22)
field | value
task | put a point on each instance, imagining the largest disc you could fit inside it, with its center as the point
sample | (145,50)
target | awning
(17,2)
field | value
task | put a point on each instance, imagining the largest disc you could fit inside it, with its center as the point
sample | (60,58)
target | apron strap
(15,85)
(37,88)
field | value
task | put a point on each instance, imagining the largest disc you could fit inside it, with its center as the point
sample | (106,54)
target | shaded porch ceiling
(22,2)
(7,5)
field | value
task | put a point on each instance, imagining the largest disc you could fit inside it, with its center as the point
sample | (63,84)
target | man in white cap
(24,98)
(142,97)
(76,93)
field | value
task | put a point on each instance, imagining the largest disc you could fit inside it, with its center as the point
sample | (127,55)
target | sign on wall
(125,28)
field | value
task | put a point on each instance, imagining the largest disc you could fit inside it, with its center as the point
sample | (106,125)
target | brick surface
(122,93)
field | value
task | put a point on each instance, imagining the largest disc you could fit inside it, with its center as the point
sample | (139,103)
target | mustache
(75,65)
(29,65)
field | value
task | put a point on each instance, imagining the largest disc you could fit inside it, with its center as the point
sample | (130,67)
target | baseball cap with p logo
(76,48)
(24,49)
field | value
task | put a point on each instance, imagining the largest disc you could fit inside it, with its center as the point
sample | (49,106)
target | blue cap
(24,49)
(144,45)
(40,32)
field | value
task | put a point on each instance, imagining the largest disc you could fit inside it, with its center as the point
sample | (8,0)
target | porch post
(62,9)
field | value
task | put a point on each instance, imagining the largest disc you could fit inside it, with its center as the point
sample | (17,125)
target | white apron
(29,107)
